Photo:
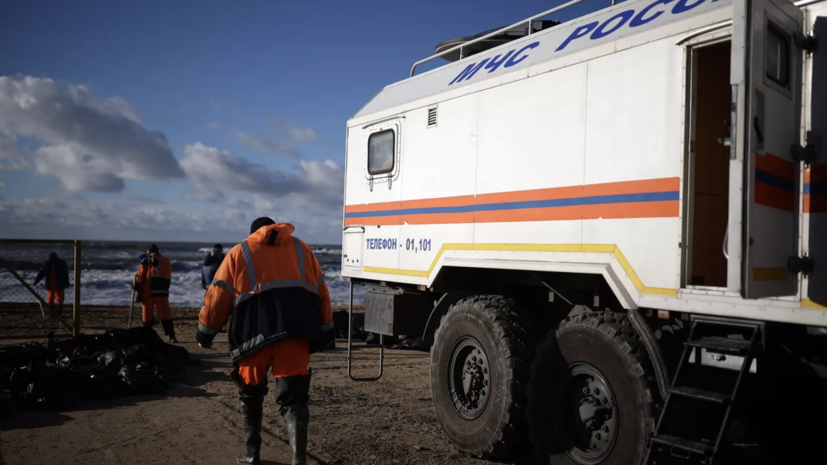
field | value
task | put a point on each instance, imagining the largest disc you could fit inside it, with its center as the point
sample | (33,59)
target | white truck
(583,220)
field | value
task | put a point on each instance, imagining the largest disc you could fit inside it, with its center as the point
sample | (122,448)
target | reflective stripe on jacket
(274,288)
(159,275)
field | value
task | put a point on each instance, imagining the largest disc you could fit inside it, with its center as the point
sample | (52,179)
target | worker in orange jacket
(152,283)
(56,273)
(274,288)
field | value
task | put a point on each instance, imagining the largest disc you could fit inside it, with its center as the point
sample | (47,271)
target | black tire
(497,428)
(596,349)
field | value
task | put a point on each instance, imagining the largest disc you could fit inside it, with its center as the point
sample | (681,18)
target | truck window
(381,152)
(777,56)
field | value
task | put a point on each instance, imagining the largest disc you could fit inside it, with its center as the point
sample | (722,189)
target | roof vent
(432,117)
(491,42)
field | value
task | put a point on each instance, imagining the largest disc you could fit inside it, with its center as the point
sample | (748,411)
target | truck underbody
(552,360)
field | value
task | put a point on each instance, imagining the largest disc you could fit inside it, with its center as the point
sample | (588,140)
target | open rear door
(815,179)
(766,79)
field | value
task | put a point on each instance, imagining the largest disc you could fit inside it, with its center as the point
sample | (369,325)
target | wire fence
(25,306)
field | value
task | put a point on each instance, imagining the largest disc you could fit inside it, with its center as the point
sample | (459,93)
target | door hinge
(800,265)
(805,42)
(807,153)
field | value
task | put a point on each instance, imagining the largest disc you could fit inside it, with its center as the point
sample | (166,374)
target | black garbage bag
(142,379)
(372,339)
(86,345)
(340,322)
(57,373)
(54,387)
(411,343)
(84,364)
(5,404)
(175,355)
(134,336)
(111,361)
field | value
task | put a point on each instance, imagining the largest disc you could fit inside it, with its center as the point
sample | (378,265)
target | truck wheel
(479,367)
(589,396)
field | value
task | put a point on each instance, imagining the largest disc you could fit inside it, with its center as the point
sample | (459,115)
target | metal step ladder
(668,448)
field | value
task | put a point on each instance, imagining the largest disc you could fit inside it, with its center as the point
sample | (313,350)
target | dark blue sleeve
(42,273)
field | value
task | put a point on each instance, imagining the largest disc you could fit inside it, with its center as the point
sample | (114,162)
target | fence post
(76,300)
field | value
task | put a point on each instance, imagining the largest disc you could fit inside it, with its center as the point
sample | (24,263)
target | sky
(185,120)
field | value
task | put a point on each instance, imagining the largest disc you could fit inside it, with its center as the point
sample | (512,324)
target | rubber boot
(292,395)
(169,330)
(149,324)
(252,411)
(60,309)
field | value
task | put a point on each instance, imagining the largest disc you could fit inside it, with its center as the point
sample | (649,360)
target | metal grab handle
(756,124)
(350,344)
(726,243)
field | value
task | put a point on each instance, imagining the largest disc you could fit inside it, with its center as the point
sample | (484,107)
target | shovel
(131,306)
(40,303)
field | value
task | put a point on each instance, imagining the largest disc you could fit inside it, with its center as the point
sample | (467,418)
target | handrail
(801,3)
(705,30)
(497,32)
(725,248)
(806,3)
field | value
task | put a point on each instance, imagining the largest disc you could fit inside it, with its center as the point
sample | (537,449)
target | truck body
(661,158)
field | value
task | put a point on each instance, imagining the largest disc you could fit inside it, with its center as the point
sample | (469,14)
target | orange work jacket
(274,288)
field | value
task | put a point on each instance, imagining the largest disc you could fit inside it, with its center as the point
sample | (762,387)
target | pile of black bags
(119,363)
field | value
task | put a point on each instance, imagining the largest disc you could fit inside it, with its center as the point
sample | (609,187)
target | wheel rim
(469,378)
(587,417)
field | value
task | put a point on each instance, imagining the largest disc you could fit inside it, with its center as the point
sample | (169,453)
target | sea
(108,267)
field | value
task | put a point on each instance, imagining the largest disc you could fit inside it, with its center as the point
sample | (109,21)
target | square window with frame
(381,152)
(777,56)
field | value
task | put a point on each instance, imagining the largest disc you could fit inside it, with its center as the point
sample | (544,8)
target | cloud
(310,196)
(227,193)
(106,130)
(8,147)
(327,175)
(214,104)
(209,167)
(77,169)
(289,131)
(11,156)
(204,194)
(212,125)
(66,214)
(265,145)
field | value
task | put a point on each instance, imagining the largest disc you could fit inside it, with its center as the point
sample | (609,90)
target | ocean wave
(109,267)
(114,287)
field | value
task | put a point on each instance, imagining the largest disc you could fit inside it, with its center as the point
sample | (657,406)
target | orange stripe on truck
(636,199)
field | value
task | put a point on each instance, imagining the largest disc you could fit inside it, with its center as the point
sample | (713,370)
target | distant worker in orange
(152,283)
(274,288)
(56,273)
